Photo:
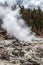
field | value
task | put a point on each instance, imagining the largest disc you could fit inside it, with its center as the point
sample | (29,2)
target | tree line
(33,18)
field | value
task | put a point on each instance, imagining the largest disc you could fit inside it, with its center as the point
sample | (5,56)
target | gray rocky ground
(14,52)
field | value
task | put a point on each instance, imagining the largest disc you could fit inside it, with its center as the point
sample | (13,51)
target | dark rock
(27,63)
(1,45)
(5,55)
(16,53)
(34,62)
(22,61)
(21,53)
(15,44)
(8,37)
(17,47)
(3,32)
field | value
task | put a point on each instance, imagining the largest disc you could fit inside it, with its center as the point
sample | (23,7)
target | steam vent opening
(21,32)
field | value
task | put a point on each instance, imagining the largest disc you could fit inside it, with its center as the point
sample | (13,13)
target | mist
(14,24)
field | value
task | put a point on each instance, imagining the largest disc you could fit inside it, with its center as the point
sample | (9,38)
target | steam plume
(14,24)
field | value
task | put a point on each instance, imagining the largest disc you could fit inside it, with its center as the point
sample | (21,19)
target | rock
(3,32)
(27,55)
(21,53)
(22,61)
(1,45)
(40,51)
(7,43)
(5,55)
(40,47)
(34,62)
(8,37)
(16,53)
(15,61)
(27,63)
(15,44)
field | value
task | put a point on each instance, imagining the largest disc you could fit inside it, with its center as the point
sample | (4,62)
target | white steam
(14,24)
